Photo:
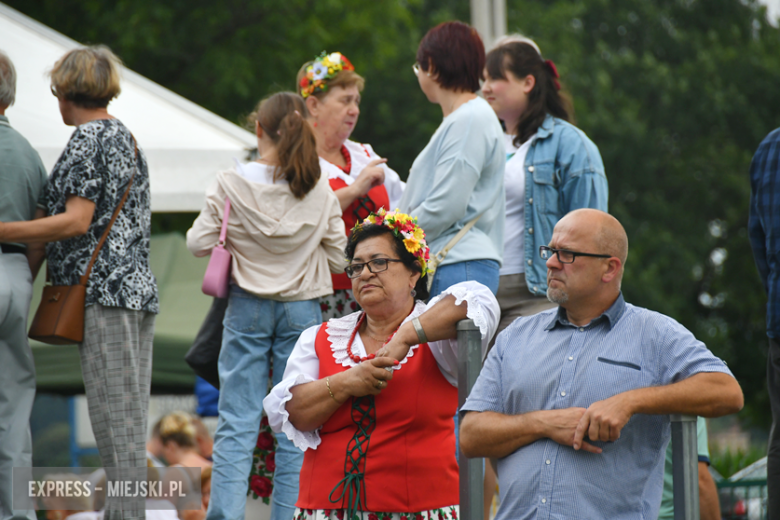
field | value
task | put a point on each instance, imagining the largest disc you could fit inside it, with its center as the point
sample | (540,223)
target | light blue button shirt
(543,362)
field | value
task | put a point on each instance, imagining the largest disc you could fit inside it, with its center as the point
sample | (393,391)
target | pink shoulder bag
(216,281)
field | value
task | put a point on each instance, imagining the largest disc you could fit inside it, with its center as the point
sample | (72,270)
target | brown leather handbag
(59,319)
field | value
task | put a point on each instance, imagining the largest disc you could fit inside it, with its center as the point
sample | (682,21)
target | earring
(428,74)
(414,293)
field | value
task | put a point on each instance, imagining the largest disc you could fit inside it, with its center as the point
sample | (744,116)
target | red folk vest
(410,465)
(378,199)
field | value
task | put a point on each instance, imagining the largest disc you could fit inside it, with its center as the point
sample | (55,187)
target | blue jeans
(255,330)
(482,271)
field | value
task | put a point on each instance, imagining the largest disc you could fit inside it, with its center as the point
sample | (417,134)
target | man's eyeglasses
(564,255)
(377,265)
(416,68)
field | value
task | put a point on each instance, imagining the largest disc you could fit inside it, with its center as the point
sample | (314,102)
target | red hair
(457,55)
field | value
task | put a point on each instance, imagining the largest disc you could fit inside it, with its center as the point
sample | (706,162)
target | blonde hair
(71,502)
(343,79)
(177,427)
(89,77)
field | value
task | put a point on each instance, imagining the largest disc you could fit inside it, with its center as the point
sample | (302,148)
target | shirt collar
(611,315)
(546,128)
(4,121)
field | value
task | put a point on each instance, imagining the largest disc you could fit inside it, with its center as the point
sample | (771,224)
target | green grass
(728,462)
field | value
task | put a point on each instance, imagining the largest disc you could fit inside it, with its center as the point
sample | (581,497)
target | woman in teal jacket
(552,168)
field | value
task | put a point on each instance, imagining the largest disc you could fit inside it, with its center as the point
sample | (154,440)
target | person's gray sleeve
(43,179)
(701,438)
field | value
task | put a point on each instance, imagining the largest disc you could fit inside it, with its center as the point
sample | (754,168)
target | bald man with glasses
(574,401)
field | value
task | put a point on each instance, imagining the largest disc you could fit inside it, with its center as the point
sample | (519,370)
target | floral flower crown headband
(323,68)
(404,227)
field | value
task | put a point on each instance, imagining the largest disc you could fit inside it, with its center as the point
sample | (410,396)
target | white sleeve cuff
(482,307)
(275,405)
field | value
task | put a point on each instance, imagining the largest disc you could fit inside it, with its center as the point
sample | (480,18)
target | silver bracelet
(420,332)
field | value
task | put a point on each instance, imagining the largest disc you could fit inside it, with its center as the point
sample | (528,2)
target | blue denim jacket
(564,172)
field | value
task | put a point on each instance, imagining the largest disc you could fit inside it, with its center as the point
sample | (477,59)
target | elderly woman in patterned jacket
(84,188)
(362,181)
(370,396)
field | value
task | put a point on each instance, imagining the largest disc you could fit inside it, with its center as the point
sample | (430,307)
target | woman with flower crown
(362,181)
(370,396)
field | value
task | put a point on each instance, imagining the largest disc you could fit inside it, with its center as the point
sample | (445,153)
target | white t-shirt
(514,185)
(259,173)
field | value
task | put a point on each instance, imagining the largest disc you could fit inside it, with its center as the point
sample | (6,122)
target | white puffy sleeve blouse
(303,366)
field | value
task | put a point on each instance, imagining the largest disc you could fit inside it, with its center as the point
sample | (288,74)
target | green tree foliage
(677,94)
(228,55)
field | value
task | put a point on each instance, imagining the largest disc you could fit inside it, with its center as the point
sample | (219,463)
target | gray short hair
(7,80)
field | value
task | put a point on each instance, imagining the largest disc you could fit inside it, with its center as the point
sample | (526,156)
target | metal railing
(685,467)
(743,499)
(685,459)
(469,365)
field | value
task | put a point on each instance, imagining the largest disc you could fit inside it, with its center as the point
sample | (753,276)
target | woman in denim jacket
(552,168)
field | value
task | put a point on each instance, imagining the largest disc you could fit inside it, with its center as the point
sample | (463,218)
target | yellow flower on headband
(412,245)
(404,227)
(323,69)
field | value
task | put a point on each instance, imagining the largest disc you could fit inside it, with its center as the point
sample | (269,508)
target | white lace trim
(339,331)
(302,440)
(474,310)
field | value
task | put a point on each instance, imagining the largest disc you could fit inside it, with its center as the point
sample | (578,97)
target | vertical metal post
(481,19)
(469,365)
(488,17)
(499,21)
(685,467)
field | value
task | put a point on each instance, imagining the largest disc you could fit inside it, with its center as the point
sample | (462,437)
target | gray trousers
(17,377)
(116,362)
(516,300)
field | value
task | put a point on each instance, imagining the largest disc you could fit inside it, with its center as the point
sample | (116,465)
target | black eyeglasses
(564,255)
(377,265)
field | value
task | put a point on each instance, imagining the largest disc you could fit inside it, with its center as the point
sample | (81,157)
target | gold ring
(379,384)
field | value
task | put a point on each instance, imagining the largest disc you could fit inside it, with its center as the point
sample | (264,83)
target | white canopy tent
(185,144)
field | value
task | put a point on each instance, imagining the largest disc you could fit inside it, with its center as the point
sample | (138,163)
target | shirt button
(547,461)
(531,200)
(535,288)
(544,501)
(571,358)
(530,262)
(563,394)
(581,329)
(531,169)
(531,230)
